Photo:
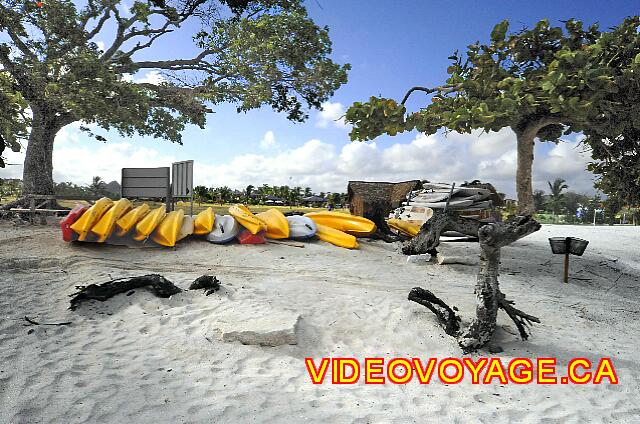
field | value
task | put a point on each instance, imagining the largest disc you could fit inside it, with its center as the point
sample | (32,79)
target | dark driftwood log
(159,285)
(446,315)
(208,282)
(489,297)
(429,236)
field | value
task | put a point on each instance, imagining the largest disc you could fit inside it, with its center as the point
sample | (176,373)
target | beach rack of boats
(119,222)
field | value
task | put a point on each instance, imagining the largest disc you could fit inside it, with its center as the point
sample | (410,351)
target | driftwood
(429,236)
(489,297)
(34,322)
(159,285)
(461,260)
(207,282)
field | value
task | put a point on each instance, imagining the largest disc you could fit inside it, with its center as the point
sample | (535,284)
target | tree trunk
(524,187)
(429,236)
(37,177)
(489,298)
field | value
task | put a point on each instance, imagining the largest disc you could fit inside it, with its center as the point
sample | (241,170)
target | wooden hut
(374,200)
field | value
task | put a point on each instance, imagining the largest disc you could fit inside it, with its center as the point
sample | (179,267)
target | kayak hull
(168,230)
(336,237)
(225,230)
(68,234)
(351,224)
(88,219)
(276,222)
(107,223)
(301,227)
(130,219)
(247,237)
(410,229)
(204,222)
(247,219)
(145,227)
(187,227)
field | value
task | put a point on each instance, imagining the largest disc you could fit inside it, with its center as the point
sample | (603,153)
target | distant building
(274,200)
(314,201)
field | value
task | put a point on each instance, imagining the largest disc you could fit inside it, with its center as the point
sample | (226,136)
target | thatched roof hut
(374,200)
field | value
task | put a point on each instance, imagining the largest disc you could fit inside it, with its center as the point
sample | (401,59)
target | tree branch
(443,89)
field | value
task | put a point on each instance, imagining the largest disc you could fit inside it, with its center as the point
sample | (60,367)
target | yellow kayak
(277,224)
(204,221)
(88,219)
(106,224)
(187,227)
(149,223)
(168,230)
(406,227)
(131,218)
(247,219)
(351,224)
(336,237)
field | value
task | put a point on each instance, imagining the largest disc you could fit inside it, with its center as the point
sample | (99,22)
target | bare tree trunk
(429,236)
(524,187)
(489,298)
(37,177)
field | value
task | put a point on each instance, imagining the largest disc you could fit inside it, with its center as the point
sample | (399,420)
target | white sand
(146,360)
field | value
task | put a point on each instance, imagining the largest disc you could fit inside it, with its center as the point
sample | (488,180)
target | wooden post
(32,209)
(566,268)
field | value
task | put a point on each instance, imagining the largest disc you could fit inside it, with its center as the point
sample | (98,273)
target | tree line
(259,195)
(579,208)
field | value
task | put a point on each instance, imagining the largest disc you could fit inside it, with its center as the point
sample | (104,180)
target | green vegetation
(265,52)
(569,207)
(542,83)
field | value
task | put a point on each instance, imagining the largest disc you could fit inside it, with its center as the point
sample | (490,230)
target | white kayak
(301,227)
(225,229)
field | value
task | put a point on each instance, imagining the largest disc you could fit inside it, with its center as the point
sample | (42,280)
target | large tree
(540,82)
(251,53)
(613,134)
(14,119)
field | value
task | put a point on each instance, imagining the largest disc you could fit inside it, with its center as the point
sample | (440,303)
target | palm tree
(200,194)
(307,192)
(295,195)
(98,186)
(538,199)
(226,194)
(556,198)
(247,192)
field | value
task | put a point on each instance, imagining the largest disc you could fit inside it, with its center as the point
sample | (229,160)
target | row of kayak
(118,222)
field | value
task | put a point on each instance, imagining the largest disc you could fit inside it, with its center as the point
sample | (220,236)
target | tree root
(450,321)
(489,297)
(522,320)
(446,315)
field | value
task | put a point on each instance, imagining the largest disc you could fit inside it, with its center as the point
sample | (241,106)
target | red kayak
(68,234)
(245,237)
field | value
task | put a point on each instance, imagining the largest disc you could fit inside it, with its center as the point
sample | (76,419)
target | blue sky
(391,45)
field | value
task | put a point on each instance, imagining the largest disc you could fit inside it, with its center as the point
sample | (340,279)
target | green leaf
(499,31)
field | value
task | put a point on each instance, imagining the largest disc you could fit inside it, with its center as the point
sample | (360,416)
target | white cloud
(331,113)
(101,46)
(268,141)
(151,77)
(326,167)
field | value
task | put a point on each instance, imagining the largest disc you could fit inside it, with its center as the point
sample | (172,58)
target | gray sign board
(182,179)
(146,182)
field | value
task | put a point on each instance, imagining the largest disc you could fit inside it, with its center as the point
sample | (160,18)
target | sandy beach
(138,358)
